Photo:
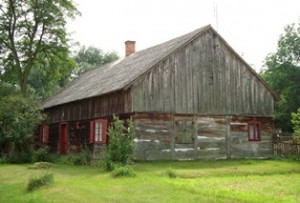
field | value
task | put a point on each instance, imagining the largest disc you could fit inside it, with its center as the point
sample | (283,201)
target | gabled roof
(119,74)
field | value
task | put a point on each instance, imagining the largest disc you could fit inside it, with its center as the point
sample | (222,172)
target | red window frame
(254,131)
(44,134)
(94,130)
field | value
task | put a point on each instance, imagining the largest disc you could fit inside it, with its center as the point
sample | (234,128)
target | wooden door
(63,138)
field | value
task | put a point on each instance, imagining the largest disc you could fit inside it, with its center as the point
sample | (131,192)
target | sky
(251,27)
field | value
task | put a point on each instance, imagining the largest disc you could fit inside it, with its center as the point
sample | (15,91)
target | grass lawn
(196,181)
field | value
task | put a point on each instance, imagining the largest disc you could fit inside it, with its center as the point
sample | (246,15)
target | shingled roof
(119,74)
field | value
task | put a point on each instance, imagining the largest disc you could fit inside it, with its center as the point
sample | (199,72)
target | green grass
(196,181)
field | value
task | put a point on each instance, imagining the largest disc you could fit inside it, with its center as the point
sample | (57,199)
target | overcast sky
(251,27)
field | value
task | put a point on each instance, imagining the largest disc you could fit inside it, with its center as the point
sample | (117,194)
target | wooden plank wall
(189,137)
(78,139)
(106,105)
(154,137)
(178,137)
(241,147)
(204,77)
(78,136)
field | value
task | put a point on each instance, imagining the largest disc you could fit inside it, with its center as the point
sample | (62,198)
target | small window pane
(254,132)
(257,132)
(98,131)
(44,134)
(251,132)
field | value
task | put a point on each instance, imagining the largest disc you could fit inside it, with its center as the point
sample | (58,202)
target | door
(63,138)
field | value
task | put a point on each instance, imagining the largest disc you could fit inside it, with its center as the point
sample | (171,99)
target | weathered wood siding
(188,137)
(241,147)
(154,139)
(106,105)
(204,77)
(78,139)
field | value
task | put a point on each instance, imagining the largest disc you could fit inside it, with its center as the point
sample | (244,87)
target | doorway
(63,138)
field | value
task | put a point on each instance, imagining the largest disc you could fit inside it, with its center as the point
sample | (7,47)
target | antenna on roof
(216,15)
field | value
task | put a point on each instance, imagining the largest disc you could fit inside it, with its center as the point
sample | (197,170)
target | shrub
(109,165)
(296,125)
(82,158)
(123,171)
(54,158)
(41,165)
(120,146)
(171,173)
(20,157)
(41,155)
(39,181)
(97,163)
(3,158)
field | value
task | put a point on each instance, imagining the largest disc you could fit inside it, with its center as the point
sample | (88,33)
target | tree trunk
(9,148)
(23,85)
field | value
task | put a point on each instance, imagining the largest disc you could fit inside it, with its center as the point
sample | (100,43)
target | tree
(33,38)
(283,75)
(91,57)
(47,79)
(296,122)
(19,116)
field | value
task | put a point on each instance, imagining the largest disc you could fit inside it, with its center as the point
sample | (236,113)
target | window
(254,131)
(44,134)
(184,131)
(98,130)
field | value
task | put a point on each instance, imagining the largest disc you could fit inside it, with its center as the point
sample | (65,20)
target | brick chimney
(129,47)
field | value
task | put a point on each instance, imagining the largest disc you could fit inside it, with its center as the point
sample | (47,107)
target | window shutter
(92,132)
(47,133)
(104,131)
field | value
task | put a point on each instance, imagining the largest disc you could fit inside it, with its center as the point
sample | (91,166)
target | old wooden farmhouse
(192,97)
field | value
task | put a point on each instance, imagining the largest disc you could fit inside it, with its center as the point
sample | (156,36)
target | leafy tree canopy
(283,75)
(90,57)
(296,122)
(19,115)
(34,41)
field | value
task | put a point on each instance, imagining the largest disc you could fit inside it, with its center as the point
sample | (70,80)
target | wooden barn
(192,97)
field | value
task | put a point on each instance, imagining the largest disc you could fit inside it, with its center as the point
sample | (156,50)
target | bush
(171,173)
(82,158)
(120,147)
(20,157)
(41,155)
(41,165)
(123,171)
(39,181)
(3,159)
(296,125)
(109,165)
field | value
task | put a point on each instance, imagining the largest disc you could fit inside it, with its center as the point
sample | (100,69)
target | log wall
(186,137)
